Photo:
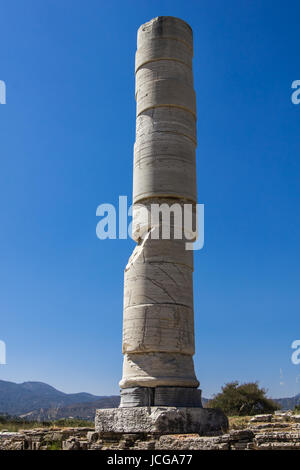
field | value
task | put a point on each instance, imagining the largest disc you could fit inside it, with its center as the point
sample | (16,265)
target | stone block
(161,420)
(161,396)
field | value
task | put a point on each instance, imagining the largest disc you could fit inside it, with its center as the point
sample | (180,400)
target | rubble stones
(268,435)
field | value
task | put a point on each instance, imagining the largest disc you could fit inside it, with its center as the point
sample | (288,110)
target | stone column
(159,389)
(158,329)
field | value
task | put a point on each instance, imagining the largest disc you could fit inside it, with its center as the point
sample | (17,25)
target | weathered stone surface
(161,420)
(163,70)
(165,28)
(164,156)
(163,50)
(155,369)
(261,418)
(278,436)
(241,434)
(71,444)
(44,438)
(164,175)
(166,121)
(159,283)
(177,396)
(164,240)
(162,327)
(262,426)
(92,436)
(137,396)
(158,323)
(192,442)
(161,396)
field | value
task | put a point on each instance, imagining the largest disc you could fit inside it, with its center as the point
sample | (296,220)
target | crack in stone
(144,328)
(169,276)
(157,284)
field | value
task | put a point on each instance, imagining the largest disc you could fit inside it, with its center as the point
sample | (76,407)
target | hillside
(77,410)
(17,399)
(288,403)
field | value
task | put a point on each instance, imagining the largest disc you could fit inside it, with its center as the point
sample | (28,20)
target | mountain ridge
(22,398)
(288,403)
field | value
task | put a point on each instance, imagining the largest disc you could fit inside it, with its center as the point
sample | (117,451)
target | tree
(243,400)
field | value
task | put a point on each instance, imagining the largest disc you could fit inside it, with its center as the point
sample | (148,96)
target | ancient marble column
(159,388)
(158,328)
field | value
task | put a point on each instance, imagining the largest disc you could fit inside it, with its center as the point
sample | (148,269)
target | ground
(272,431)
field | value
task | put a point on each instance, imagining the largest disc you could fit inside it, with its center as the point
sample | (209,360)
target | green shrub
(72,423)
(55,445)
(243,400)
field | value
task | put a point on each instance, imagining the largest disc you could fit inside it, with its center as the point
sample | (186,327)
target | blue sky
(66,146)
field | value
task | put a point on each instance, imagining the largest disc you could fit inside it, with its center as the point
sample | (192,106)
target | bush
(55,445)
(243,400)
(297,409)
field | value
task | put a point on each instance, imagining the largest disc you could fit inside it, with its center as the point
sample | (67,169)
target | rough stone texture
(160,420)
(159,284)
(161,396)
(156,369)
(43,438)
(147,229)
(177,396)
(261,418)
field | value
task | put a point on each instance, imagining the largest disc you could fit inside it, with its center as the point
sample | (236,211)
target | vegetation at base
(246,399)
(72,423)
(55,445)
(14,423)
(297,409)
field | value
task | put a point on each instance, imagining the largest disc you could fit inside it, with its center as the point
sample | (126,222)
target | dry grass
(16,425)
(239,422)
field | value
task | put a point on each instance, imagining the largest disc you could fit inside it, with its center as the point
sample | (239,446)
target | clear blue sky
(66,143)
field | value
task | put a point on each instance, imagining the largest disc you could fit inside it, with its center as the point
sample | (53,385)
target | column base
(161,420)
(161,396)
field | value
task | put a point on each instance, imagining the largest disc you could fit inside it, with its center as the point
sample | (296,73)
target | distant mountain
(77,410)
(288,403)
(17,399)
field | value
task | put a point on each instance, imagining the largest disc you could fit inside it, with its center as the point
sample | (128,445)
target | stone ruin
(280,431)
